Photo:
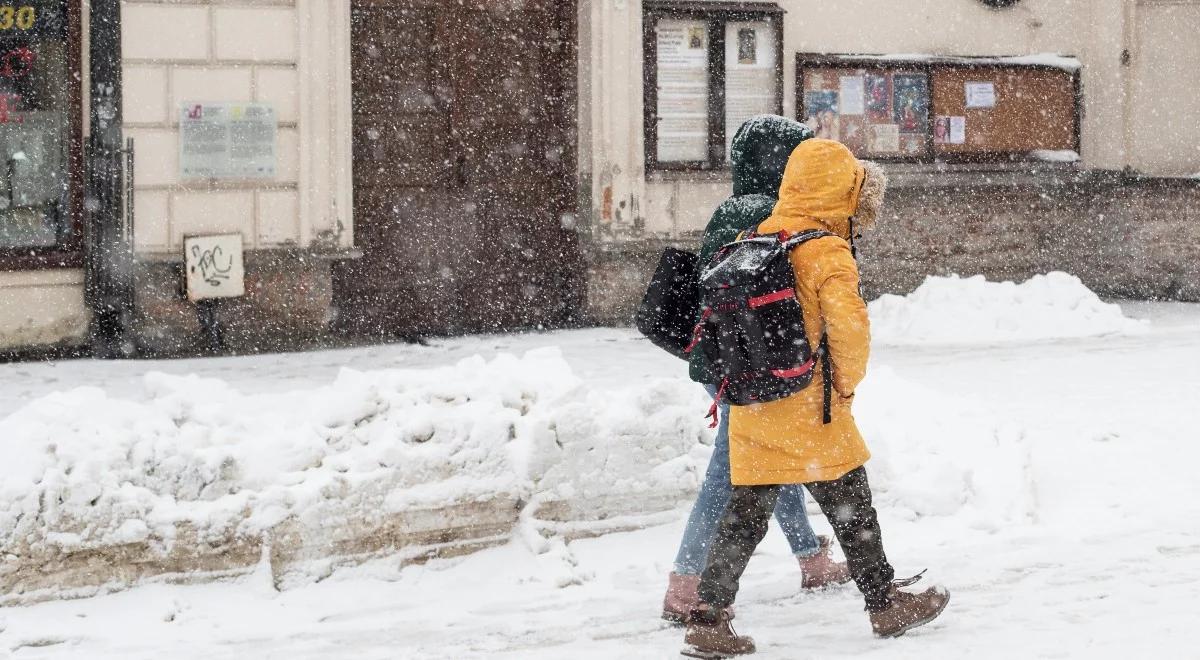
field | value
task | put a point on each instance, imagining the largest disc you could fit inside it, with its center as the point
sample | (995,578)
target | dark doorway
(464,167)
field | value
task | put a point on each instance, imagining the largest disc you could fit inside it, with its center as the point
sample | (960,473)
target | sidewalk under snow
(1040,482)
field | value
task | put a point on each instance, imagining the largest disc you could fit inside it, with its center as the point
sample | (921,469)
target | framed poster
(682,59)
(751,74)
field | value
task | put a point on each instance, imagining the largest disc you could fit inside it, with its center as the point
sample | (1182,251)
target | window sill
(721,175)
(947,175)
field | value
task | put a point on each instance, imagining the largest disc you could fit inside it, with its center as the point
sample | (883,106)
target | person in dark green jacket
(758,155)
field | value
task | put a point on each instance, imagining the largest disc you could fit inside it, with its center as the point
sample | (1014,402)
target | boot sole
(920,622)
(693,652)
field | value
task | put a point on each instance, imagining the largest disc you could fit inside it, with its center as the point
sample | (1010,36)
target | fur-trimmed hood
(825,182)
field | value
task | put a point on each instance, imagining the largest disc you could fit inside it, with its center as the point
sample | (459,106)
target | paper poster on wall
(821,113)
(981,95)
(682,107)
(885,138)
(878,93)
(751,75)
(910,103)
(227,141)
(747,42)
(851,90)
(941,130)
(958,130)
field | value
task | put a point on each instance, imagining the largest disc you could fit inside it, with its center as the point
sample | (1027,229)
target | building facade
(438,167)
(1121,216)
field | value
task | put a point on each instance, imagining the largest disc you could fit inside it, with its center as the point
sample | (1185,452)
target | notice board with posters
(876,111)
(924,108)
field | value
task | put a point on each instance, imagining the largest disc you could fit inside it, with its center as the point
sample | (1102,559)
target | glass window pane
(34,124)
(682,58)
(751,79)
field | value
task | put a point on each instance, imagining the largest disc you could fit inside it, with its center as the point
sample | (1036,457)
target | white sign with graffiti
(214,266)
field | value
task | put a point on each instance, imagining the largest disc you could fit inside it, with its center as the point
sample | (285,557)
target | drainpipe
(1128,52)
(108,252)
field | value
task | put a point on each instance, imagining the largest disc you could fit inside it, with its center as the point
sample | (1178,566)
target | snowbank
(199,476)
(953,310)
(195,478)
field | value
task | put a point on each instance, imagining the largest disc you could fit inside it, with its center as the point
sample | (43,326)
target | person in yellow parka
(787,441)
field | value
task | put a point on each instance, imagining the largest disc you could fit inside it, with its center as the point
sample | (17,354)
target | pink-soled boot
(820,570)
(681,597)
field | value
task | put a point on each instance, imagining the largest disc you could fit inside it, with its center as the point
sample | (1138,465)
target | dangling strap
(714,411)
(909,581)
(826,381)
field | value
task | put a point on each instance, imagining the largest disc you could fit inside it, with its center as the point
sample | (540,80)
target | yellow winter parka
(785,441)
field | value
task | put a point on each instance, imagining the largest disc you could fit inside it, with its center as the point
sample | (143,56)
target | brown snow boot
(681,597)
(820,570)
(710,636)
(908,611)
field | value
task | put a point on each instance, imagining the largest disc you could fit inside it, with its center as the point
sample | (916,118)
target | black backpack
(751,326)
(672,302)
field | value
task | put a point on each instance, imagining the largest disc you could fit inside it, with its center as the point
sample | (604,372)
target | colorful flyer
(878,95)
(910,103)
(821,112)
(941,130)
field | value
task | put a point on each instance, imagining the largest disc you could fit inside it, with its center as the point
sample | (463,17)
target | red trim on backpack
(798,371)
(769,298)
(697,330)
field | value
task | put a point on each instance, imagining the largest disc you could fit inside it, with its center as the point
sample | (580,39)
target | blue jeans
(714,497)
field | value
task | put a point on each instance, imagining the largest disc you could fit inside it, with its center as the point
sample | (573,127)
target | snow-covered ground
(1049,484)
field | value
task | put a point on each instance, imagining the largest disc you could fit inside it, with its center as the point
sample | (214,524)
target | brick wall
(1124,237)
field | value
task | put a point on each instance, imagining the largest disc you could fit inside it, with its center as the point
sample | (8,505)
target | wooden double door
(465,179)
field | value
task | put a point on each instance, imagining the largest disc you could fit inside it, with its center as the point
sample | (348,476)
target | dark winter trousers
(846,503)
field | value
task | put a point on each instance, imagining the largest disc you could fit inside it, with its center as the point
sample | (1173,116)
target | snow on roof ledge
(1053,60)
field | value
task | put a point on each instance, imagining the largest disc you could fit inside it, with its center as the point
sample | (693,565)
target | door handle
(460,170)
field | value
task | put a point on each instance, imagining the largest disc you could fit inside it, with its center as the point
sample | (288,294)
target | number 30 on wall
(21,18)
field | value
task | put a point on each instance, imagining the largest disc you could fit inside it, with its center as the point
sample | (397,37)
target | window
(39,139)
(707,67)
(945,109)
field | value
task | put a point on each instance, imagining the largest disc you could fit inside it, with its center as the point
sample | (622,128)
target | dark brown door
(464,167)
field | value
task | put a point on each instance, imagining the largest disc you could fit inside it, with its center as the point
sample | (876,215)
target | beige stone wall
(41,307)
(1140,116)
(292,54)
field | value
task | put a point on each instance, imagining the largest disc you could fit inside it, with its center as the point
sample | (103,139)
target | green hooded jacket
(759,152)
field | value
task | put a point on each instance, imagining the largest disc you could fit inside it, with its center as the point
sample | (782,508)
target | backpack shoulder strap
(804,237)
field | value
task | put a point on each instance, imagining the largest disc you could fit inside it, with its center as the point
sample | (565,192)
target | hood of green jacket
(760,150)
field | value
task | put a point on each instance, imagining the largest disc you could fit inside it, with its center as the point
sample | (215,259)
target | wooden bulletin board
(927,108)
(1032,109)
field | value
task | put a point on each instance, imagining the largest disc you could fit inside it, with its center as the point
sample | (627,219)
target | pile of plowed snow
(196,462)
(954,310)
